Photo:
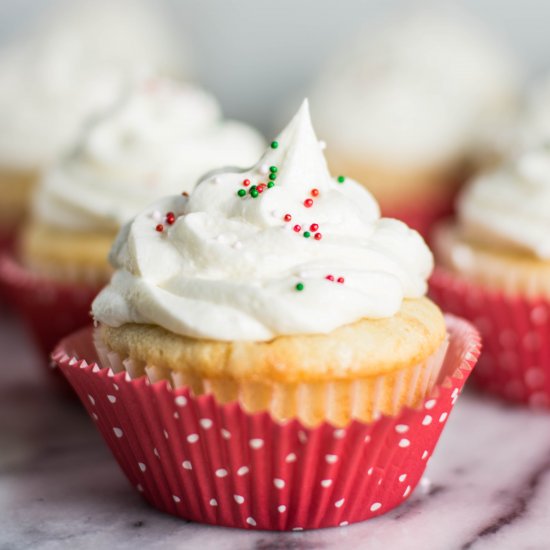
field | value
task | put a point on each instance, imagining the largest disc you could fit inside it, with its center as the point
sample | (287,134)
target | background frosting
(510,206)
(229,266)
(157,141)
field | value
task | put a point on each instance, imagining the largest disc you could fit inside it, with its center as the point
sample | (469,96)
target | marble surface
(487,486)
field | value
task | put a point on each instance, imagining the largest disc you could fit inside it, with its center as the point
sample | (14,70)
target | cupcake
(277,339)
(495,270)
(419,104)
(61,72)
(157,140)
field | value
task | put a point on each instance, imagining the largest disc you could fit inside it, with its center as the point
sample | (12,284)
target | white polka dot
(118,432)
(367,439)
(115,387)
(180,400)
(427,420)
(279,483)
(251,521)
(425,455)
(139,487)
(243,470)
(213,502)
(534,377)
(176,499)
(344,523)
(256,443)
(142,466)
(206,423)
(281,508)
(339,503)
(92,400)
(407,491)
(297,528)
(186,464)
(226,434)
(443,417)
(111,398)
(339,434)
(370,470)
(401,428)
(221,472)
(454,395)
(302,436)
(193,438)
(375,506)
(402,477)
(331,459)
(176,415)
(239,499)
(95,417)
(290,457)
(156,453)
(165,434)
(539,315)
(430,404)
(403,443)
(326,483)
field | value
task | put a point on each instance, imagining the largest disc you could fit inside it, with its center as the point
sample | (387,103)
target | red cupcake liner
(217,464)
(515,363)
(50,309)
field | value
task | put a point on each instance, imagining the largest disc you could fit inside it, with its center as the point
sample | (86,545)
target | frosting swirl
(510,206)
(157,141)
(305,255)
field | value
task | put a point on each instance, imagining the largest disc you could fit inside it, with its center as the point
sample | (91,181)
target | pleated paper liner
(515,363)
(217,464)
(49,309)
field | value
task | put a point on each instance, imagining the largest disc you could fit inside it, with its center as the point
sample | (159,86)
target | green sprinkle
(341,179)
(274,144)
(273,169)
(241,192)
(254,193)
(272,176)
(307,234)
(270,184)
(300,287)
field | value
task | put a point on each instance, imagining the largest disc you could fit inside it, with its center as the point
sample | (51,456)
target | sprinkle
(170,218)
(300,287)
(341,179)
(315,192)
(160,228)
(273,169)
(307,234)
(246,182)
(260,188)
(297,228)
(287,217)
(340,280)
(185,194)
(314,226)
(272,176)
(308,203)
(274,144)
(241,192)
(263,169)
(254,193)
(318,236)
(270,184)
(329,277)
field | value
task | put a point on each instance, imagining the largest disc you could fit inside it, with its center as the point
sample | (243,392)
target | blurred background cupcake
(72,62)
(421,102)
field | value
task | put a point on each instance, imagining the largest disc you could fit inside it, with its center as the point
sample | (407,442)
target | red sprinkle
(330,277)
(160,228)
(261,187)
(318,236)
(246,182)
(297,228)
(308,203)
(170,218)
(340,280)
(314,226)
(287,217)
(315,192)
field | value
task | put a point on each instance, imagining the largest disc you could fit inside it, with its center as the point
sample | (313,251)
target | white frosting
(510,206)
(75,63)
(227,269)
(423,89)
(157,141)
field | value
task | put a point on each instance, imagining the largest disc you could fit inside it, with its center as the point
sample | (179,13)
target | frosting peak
(281,248)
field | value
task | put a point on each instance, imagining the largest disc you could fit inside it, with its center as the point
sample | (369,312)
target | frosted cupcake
(283,324)
(419,104)
(156,141)
(495,270)
(59,74)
